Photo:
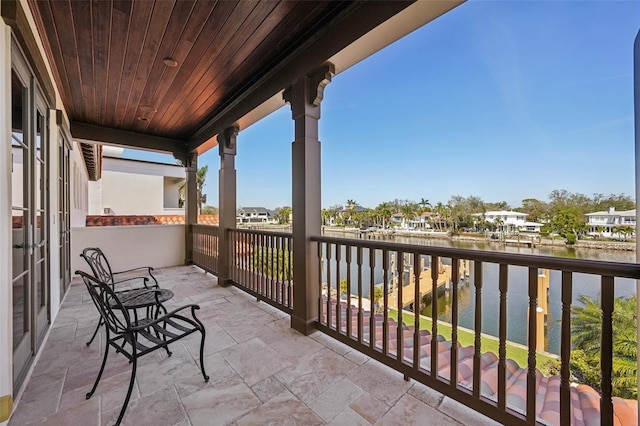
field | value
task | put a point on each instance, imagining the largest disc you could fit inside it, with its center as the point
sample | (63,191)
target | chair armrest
(148,268)
(168,315)
(144,282)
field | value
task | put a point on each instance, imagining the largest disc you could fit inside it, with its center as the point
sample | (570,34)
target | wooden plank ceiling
(108,57)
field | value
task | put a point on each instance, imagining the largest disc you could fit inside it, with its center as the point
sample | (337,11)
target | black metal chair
(135,338)
(102,271)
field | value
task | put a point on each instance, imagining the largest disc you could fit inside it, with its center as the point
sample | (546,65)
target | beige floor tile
(291,344)
(464,414)
(315,373)
(254,360)
(219,405)
(335,399)
(153,377)
(410,411)
(348,418)
(380,381)
(37,402)
(86,413)
(220,375)
(285,409)
(268,388)
(368,407)
(160,408)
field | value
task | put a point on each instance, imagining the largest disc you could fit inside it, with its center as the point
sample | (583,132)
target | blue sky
(504,100)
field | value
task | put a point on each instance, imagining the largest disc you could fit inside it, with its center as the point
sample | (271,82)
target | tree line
(563,212)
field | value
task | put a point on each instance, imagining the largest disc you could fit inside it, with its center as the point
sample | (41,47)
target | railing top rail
(256,231)
(204,225)
(598,267)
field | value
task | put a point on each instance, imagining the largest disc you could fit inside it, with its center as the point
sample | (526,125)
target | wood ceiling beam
(353,23)
(129,139)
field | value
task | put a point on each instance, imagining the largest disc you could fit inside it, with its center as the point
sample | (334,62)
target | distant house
(510,221)
(416,221)
(606,223)
(255,215)
(341,211)
(135,187)
(531,227)
(424,220)
(397,219)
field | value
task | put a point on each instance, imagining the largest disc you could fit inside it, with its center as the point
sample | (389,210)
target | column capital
(227,140)
(308,91)
(191,161)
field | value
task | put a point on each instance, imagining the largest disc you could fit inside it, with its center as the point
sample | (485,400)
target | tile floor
(262,372)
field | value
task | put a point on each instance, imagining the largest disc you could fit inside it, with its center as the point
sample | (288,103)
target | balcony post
(305,96)
(226,201)
(191,205)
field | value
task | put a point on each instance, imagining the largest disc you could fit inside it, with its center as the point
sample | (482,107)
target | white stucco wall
(95,198)
(130,187)
(128,247)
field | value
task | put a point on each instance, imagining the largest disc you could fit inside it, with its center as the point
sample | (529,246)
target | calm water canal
(517,297)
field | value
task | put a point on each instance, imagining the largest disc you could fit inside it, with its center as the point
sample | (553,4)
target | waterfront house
(186,77)
(531,227)
(505,220)
(255,215)
(609,223)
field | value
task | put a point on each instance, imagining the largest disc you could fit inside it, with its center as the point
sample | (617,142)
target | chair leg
(104,362)
(131,382)
(95,332)
(206,378)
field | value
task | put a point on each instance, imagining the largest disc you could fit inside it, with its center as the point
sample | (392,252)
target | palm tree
(441,211)
(586,333)
(384,211)
(282,215)
(409,211)
(425,204)
(351,203)
(498,222)
(201,176)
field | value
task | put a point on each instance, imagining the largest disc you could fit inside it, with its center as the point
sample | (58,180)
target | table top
(142,297)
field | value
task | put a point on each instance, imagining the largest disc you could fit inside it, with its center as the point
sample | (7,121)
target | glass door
(40,243)
(30,225)
(63,215)
(20,218)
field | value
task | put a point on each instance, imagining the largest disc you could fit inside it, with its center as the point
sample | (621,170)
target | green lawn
(515,352)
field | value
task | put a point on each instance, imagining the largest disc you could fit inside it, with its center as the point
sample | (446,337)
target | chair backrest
(111,309)
(99,264)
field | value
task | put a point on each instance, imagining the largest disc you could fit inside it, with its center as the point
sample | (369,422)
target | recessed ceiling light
(143,119)
(147,108)
(170,62)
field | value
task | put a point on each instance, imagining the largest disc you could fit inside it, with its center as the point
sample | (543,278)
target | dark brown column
(191,205)
(305,96)
(226,200)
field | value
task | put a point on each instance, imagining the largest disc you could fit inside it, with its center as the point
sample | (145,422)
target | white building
(254,215)
(136,187)
(606,223)
(510,221)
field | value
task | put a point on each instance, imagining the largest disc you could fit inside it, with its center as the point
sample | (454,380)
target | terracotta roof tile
(131,220)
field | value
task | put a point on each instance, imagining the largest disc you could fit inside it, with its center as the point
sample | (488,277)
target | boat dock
(425,283)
